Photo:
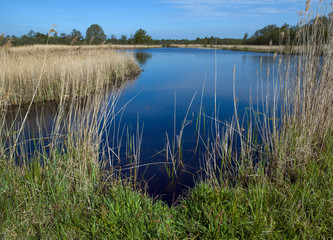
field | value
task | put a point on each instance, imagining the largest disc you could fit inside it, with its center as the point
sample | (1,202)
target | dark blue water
(171,78)
(157,102)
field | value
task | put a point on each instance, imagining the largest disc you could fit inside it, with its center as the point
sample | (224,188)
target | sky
(168,19)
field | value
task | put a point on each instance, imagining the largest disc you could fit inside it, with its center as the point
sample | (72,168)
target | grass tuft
(271,179)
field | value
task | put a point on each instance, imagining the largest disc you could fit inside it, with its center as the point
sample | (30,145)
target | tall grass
(270,177)
(287,127)
(64,72)
(297,126)
(274,177)
(40,188)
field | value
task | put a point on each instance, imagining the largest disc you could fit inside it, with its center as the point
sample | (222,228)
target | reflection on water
(157,102)
(40,128)
(36,131)
(171,78)
(142,57)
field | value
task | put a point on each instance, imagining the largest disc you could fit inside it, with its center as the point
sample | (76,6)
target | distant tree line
(206,41)
(269,35)
(94,35)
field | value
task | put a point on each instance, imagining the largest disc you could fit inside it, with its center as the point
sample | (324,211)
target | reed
(276,166)
(75,39)
(65,72)
(303,105)
(269,177)
(285,129)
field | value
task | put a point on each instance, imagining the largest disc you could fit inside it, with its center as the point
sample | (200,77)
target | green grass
(291,197)
(298,207)
(57,201)
(244,48)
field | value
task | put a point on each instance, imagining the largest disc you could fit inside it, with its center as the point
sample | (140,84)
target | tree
(64,38)
(31,34)
(141,37)
(205,41)
(123,39)
(266,35)
(76,33)
(246,35)
(40,38)
(95,32)
(113,39)
(197,40)
(212,40)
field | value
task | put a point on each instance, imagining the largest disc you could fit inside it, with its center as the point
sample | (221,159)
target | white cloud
(225,8)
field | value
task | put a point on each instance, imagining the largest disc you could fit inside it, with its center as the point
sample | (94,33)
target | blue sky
(160,18)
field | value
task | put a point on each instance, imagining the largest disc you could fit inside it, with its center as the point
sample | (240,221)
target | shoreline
(244,48)
(64,191)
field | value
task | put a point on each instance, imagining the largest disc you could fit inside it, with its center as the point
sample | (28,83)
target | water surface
(171,78)
(157,103)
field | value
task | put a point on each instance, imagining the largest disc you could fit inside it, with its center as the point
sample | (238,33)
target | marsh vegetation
(52,73)
(267,177)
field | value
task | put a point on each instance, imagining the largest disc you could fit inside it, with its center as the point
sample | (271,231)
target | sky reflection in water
(175,73)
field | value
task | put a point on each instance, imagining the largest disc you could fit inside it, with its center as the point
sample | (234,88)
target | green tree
(246,35)
(269,34)
(113,39)
(76,33)
(212,40)
(123,39)
(40,38)
(31,34)
(96,33)
(141,37)
(205,41)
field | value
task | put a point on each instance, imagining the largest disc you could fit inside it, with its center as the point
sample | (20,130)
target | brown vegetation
(60,71)
(247,48)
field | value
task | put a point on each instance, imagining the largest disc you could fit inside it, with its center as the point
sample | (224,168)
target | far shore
(245,48)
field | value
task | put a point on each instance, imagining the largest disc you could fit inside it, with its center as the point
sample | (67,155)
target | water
(158,100)
(171,78)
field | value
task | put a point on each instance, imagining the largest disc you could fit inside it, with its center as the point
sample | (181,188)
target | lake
(160,98)
(158,101)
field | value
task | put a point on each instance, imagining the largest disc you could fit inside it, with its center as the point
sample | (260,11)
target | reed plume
(2,36)
(52,31)
(75,39)
(8,43)
(92,39)
(307,6)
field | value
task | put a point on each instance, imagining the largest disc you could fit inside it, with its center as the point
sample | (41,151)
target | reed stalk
(68,72)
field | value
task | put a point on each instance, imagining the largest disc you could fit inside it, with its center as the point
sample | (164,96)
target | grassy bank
(136,46)
(60,72)
(254,48)
(280,188)
(58,201)
(245,48)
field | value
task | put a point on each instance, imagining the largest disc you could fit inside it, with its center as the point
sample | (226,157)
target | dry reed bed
(119,46)
(65,48)
(258,48)
(60,72)
(293,119)
(306,98)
